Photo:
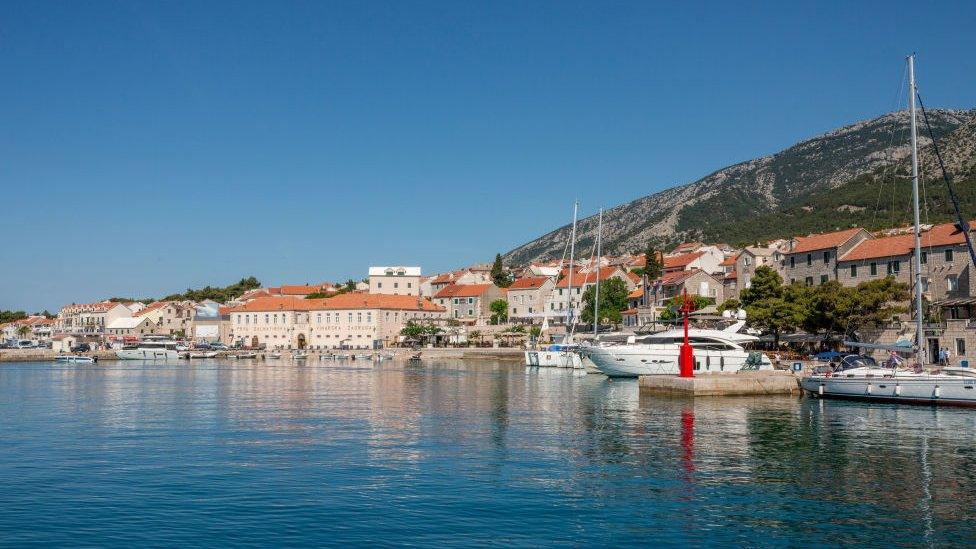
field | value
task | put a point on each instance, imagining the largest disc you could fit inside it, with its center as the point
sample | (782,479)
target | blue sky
(150,147)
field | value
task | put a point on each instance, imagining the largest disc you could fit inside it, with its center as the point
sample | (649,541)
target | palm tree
(24,331)
(476,334)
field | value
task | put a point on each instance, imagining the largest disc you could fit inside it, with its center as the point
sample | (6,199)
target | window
(952,283)
(823,279)
(960,346)
(894,267)
(827,256)
(470,312)
(924,258)
(470,300)
(853,271)
(409,285)
(809,260)
(396,284)
(379,284)
(809,281)
(514,311)
(874,269)
(792,261)
(948,255)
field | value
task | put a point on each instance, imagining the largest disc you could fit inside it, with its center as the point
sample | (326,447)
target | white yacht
(657,354)
(160,349)
(559,355)
(862,378)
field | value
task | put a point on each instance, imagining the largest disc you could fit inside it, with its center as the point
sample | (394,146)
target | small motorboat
(247,355)
(77,359)
(363,357)
(414,358)
(207,354)
(274,355)
(300,355)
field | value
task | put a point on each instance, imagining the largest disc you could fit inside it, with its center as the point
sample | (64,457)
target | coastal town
(520,306)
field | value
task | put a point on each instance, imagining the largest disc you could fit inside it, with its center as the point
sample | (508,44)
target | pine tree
(653,267)
(498,273)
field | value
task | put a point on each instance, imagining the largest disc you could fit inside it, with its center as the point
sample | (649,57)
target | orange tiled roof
(681,261)
(687,246)
(151,307)
(636,294)
(677,277)
(890,246)
(463,290)
(629,312)
(729,261)
(304,289)
(731,276)
(824,241)
(946,234)
(529,283)
(580,279)
(376,301)
(99,306)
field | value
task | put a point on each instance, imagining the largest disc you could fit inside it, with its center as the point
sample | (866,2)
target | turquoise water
(452,453)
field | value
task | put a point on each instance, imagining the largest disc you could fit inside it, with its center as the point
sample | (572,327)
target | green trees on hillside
(220,295)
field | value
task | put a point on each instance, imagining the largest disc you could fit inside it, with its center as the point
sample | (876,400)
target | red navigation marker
(686,359)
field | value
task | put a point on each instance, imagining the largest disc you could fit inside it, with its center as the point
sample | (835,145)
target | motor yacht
(155,349)
(657,354)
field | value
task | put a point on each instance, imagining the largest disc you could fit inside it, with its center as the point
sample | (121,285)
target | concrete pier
(732,384)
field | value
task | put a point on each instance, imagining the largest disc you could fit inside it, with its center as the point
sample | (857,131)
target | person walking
(942,356)
(948,357)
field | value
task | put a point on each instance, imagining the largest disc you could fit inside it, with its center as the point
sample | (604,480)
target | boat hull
(147,354)
(554,359)
(653,360)
(919,390)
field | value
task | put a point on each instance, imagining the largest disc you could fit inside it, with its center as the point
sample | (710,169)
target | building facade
(394,280)
(346,321)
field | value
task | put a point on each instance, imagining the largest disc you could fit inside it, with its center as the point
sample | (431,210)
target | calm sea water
(453,453)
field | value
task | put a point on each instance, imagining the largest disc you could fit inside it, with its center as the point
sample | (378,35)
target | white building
(394,280)
(345,321)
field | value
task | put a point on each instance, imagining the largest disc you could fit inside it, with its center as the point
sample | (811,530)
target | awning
(955,302)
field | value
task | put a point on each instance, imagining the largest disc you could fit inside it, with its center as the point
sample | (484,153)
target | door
(933,350)
(301,341)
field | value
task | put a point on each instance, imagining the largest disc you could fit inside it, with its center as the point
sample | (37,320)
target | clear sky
(149,147)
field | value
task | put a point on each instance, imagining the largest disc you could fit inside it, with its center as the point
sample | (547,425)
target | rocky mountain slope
(852,175)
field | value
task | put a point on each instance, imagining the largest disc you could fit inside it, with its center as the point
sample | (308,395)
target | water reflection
(470,452)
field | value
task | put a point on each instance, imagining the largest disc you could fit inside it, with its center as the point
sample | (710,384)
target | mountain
(855,175)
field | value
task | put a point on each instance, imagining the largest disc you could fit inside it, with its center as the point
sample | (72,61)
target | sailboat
(866,380)
(565,354)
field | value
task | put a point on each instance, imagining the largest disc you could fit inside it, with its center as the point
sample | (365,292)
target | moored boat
(657,354)
(160,349)
(77,359)
(863,379)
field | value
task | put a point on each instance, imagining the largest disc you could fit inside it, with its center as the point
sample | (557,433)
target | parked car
(203,346)
(81,348)
(217,346)
(26,344)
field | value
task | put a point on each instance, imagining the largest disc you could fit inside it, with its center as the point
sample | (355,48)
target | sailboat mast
(919,333)
(572,266)
(596,291)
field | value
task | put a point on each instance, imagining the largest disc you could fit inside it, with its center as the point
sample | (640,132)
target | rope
(963,223)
